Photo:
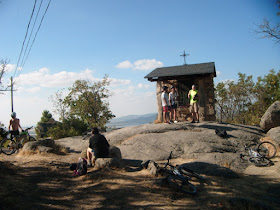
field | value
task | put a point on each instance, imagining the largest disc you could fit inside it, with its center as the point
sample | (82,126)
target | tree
(269,31)
(267,91)
(3,69)
(71,126)
(233,99)
(60,108)
(88,101)
(245,102)
(45,124)
(46,117)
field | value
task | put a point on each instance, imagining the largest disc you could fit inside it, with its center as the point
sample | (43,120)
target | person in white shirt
(165,104)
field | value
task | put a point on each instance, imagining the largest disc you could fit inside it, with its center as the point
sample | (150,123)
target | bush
(69,127)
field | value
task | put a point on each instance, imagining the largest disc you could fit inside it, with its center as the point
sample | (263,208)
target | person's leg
(175,115)
(171,114)
(89,156)
(193,114)
(196,112)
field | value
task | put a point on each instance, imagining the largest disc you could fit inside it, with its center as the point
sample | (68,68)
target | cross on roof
(184,55)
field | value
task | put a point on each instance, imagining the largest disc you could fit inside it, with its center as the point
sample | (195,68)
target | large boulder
(44,146)
(187,141)
(114,152)
(274,134)
(271,117)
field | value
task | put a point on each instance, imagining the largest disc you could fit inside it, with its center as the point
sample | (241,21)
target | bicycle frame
(255,157)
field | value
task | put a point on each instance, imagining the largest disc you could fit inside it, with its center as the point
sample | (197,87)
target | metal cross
(184,55)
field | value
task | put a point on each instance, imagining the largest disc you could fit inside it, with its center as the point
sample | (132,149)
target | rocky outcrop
(271,117)
(43,146)
(274,134)
(189,141)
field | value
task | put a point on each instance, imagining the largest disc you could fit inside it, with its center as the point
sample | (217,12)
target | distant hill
(131,120)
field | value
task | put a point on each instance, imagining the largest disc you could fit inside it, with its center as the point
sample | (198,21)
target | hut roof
(175,71)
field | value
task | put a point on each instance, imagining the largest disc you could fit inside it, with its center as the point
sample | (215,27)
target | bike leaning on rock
(12,144)
(260,155)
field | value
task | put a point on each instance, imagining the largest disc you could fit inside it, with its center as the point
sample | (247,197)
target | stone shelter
(182,78)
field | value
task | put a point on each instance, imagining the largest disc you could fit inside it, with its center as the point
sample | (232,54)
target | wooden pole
(12,97)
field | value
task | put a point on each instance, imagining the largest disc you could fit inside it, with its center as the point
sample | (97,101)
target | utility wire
(37,32)
(25,36)
(31,34)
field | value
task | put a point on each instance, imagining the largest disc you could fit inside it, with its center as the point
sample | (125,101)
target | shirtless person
(14,122)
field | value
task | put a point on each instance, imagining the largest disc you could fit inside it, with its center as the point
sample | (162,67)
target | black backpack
(80,168)
(221,133)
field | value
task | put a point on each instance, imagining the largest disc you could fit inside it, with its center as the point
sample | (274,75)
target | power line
(37,32)
(25,35)
(31,34)
(24,59)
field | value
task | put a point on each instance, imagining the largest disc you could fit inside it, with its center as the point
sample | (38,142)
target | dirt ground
(44,181)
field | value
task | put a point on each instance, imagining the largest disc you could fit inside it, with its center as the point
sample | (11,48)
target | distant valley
(132,120)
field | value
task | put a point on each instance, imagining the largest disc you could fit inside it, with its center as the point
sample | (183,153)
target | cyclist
(15,124)
(193,95)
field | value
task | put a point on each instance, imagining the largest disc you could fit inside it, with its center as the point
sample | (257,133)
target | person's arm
(19,125)
(189,94)
(10,125)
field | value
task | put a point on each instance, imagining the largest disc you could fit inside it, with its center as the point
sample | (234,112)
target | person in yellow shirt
(193,96)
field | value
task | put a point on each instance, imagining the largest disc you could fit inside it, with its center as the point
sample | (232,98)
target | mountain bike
(261,155)
(12,143)
(179,176)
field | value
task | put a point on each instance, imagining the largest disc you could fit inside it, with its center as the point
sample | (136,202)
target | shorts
(15,133)
(166,108)
(174,106)
(194,108)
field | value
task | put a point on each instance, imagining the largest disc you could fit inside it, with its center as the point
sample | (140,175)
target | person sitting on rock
(98,147)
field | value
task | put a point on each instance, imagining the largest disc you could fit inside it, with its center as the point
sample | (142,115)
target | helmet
(13,114)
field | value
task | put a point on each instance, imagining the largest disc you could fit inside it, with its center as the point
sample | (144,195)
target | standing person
(98,147)
(165,104)
(173,102)
(193,95)
(15,124)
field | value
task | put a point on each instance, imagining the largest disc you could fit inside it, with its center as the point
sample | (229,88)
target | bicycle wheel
(8,146)
(188,172)
(267,149)
(182,185)
(260,161)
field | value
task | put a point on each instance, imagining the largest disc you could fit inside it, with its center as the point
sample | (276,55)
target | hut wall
(205,86)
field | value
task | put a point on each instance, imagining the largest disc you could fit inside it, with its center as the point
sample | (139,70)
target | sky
(126,40)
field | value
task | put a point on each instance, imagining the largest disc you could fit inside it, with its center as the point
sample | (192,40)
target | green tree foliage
(244,102)
(46,117)
(44,124)
(69,127)
(87,101)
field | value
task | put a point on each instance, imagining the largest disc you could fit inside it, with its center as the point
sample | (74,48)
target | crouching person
(98,147)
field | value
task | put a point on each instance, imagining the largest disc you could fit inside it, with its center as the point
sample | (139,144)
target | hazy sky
(127,39)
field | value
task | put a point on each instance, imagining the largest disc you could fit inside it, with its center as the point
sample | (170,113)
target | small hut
(182,78)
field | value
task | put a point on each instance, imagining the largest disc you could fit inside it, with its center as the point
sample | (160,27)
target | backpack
(221,133)
(80,168)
